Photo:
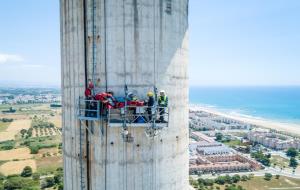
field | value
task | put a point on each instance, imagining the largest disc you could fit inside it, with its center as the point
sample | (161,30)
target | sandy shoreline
(286,127)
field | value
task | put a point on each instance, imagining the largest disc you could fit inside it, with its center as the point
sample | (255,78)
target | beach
(264,123)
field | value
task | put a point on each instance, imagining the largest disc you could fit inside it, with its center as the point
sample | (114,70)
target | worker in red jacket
(89,90)
(107,98)
(89,97)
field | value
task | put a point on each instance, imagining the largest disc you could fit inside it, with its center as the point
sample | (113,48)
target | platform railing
(89,109)
(139,115)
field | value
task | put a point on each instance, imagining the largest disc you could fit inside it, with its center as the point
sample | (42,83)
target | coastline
(289,128)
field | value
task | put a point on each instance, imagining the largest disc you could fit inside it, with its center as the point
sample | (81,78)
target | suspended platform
(89,110)
(128,116)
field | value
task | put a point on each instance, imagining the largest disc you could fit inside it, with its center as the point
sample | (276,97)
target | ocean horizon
(280,104)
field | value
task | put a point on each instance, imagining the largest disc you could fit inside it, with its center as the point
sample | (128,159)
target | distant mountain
(21,84)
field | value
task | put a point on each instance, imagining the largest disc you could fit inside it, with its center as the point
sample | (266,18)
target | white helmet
(162,91)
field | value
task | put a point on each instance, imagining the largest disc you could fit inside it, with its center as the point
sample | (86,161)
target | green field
(259,183)
(45,150)
(233,143)
(279,161)
(28,109)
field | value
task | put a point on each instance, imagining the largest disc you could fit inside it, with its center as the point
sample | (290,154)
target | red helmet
(91,85)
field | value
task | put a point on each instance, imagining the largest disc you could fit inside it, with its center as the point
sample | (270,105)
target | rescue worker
(106,99)
(89,90)
(150,104)
(98,83)
(89,99)
(162,103)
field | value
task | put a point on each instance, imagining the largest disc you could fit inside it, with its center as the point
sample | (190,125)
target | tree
(244,178)
(61,187)
(16,182)
(248,149)
(292,152)
(228,179)
(277,176)
(58,178)
(47,182)
(220,180)
(293,162)
(268,176)
(236,178)
(34,149)
(260,157)
(12,184)
(208,182)
(23,132)
(219,137)
(27,172)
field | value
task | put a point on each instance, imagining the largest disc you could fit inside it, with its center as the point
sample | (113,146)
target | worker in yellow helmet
(150,104)
(162,103)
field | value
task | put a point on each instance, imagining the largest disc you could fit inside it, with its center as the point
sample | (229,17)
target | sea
(280,104)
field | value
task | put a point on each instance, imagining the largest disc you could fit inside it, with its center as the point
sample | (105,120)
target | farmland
(31,138)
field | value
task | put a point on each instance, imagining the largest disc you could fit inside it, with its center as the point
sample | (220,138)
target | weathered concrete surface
(140,43)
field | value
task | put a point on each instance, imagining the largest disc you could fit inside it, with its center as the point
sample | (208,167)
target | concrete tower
(141,44)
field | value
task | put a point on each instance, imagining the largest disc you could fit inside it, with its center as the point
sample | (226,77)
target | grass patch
(259,183)
(4,125)
(17,182)
(7,145)
(48,165)
(279,161)
(233,143)
(2,162)
(37,143)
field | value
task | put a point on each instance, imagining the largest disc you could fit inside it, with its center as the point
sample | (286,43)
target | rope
(94,42)
(86,84)
(106,84)
(154,75)
(125,81)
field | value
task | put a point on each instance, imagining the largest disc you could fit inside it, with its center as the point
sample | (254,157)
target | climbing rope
(106,86)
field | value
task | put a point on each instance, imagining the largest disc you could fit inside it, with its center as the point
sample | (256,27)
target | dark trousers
(161,114)
(149,111)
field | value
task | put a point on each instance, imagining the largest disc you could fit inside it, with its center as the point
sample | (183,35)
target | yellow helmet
(150,94)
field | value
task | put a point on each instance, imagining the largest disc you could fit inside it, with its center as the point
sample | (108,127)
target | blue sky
(232,42)
(30,42)
(244,42)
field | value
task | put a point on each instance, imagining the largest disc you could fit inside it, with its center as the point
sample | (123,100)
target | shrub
(34,149)
(47,182)
(7,145)
(260,157)
(268,176)
(19,183)
(293,162)
(220,180)
(58,178)
(236,178)
(36,176)
(27,171)
(61,187)
(292,152)
(23,132)
(2,177)
(244,178)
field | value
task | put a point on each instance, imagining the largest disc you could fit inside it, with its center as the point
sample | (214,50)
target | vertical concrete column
(141,44)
